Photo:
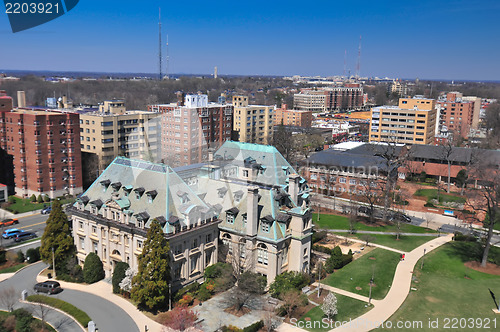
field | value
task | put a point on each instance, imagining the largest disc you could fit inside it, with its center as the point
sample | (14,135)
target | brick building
(190,127)
(296,118)
(458,114)
(45,146)
(347,97)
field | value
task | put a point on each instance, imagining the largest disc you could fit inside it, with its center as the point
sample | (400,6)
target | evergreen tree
(93,270)
(33,198)
(150,285)
(118,275)
(57,235)
(39,199)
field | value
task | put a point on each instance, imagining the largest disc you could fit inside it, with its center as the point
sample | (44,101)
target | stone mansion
(247,196)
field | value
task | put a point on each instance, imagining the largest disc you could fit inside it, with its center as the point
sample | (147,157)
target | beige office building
(254,123)
(413,121)
(113,131)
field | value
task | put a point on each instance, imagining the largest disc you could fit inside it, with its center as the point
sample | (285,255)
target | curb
(21,270)
(56,309)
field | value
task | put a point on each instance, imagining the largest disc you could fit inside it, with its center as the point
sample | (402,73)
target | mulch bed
(490,268)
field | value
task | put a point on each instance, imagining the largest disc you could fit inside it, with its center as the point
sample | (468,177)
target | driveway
(106,315)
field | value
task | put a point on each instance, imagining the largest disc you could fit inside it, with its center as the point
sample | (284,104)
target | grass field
(348,308)
(24,205)
(405,243)
(331,221)
(359,272)
(443,197)
(13,268)
(68,308)
(446,288)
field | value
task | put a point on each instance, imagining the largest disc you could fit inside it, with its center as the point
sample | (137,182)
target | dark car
(9,222)
(47,210)
(49,287)
(399,216)
(21,236)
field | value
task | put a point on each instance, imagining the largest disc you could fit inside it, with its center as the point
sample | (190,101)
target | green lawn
(405,243)
(443,197)
(68,308)
(348,308)
(359,272)
(331,221)
(448,289)
(13,268)
(25,205)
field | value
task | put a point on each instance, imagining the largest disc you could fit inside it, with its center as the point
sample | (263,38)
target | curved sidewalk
(105,290)
(400,289)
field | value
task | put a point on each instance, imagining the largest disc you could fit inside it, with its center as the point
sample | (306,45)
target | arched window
(242,248)
(262,254)
(226,240)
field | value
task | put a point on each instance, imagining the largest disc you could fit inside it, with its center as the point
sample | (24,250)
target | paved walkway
(105,290)
(346,293)
(371,244)
(382,233)
(398,292)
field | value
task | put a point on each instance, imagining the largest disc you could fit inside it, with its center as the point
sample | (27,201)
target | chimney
(65,101)
(293,187)
(210,155)
(180,98)
(21,99)
(252,210)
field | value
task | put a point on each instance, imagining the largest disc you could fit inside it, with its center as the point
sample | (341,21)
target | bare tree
(8,298)
(486,198)
(367,238)
(291,300)
(271,321)
(41,311)
(429,217)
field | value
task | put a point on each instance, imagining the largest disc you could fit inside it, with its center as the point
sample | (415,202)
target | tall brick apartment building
(459,114)
(45,146)
(339,98)
(190,127)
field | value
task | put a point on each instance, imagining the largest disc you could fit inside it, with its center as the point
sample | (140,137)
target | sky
(445,39)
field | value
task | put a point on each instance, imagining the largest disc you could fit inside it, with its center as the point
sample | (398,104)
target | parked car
(22,236)
(9,222)
(399,216)
(47,210)
(49,287)
(10,233)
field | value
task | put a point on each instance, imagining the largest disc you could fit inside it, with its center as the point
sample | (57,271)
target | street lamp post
(423,257)
(371,285)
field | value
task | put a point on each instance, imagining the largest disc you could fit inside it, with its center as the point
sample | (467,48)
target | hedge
(322,249)
(68,308)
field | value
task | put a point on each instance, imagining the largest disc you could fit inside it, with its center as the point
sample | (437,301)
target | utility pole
(159,43)
(423,258)
(53,263)
(371,284)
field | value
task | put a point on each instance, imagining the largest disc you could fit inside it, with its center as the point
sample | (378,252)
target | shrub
(231,328)
(465,238)
(33,255)
(322,249)
(423,176)
(186,300)
(287,281)
(254,327)
(39,199)
(429,204)
(337,260)
(23,320)
(3,259)
(33,198)
(68,308)
(216,270)
(118,275)
(46,198)
(318,236)
(192,288)
(93,270)
(20,257)
(203,294)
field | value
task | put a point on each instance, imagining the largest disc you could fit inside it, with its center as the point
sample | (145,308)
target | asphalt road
(25,280)
(106,315)
(34,223)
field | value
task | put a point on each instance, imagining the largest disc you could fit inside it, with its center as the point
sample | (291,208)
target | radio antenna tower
(167,58)
(159,42)
(359,59)
(345,62)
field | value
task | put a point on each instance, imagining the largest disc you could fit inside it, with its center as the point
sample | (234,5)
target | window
(82,243)
(230,218)
(208,238)
(245,173)
(265,225)
(81,224)
(342,180)
(178,249)
(194,244)
(94,247)
(177,271)
(352,181)
(262,254)
(194,263)
(94,229)
(139,244)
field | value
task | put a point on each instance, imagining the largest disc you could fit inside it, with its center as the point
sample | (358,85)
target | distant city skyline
(450,39)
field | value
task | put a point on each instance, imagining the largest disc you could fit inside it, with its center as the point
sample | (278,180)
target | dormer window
(245,173)
(142,218)
(238,196)
(116,186)
(105,184)
(127,189)
(231,215)
(151,195)
(183,196)
(265,223)
(222,192)
(244,217)
(138,192)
